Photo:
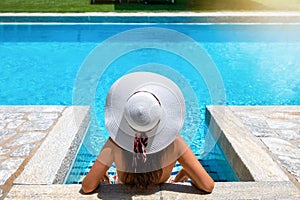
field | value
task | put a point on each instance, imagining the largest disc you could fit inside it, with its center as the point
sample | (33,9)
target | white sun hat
(144,104)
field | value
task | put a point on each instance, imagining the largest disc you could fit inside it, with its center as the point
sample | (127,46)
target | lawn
(180,5)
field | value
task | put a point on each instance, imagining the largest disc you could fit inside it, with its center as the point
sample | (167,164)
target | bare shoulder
(106,155)
(180,146)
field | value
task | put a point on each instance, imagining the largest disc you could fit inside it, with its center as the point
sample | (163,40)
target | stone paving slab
(283,144)
(59,191)
(22,130)
(25,130)
(233,190)
(274,129)
(244,151)
(56,150)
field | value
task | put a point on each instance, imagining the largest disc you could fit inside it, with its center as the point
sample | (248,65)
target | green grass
(52,6)
(181,5)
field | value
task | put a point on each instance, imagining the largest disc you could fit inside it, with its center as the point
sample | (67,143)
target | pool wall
(186,17)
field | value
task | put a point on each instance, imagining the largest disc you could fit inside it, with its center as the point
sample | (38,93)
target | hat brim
(170,97)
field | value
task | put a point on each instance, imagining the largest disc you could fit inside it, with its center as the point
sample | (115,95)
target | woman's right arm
(96,175)
(194,170)
(98,172)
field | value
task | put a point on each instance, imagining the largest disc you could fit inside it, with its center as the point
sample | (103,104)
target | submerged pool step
(218,170)
(80,168)
(214,163)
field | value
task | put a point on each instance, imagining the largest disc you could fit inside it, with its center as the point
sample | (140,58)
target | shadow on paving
(119,191)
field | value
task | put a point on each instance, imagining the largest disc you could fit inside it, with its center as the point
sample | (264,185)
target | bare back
(168,158)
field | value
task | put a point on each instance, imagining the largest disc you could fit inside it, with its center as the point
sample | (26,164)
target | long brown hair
(147,178)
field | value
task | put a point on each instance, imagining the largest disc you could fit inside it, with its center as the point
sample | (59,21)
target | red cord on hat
(139,148)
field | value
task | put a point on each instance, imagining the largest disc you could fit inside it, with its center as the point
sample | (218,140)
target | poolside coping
(39,143)
(233,190)
(52,161)
(260,182)
(144,17)
(260,142)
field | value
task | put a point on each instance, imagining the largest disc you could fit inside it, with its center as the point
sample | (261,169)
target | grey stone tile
(14,124)
(42,116)
(28,109)
(5,175)
(281,147)
(26,138)
(4,151)
(40,125)
(3,116)
(255,123)
(6,134)
(289,134)
(23,150)
(262,132)
(2,158)
(11,164)
(280,124)
(285,116)
(58,109)
(248,113)
(8,167)
(8,117)
(292,165)
(2,125)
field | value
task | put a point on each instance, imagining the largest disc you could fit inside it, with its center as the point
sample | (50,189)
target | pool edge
(240,145)
(222,190)
(144,17)
(57,157)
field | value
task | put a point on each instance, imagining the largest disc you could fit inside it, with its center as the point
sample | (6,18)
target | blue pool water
(259,65)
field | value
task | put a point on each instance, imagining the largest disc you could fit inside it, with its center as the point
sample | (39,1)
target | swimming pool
(259,65)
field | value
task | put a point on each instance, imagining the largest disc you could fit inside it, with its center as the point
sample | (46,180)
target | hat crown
(143,111)
(148,103)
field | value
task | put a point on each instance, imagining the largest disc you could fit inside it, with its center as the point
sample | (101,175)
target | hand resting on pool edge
(144,115)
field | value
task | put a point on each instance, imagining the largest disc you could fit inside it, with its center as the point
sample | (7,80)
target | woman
(144,115)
